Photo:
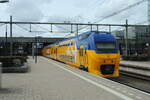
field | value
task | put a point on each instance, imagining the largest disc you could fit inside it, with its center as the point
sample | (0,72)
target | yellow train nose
(108,61)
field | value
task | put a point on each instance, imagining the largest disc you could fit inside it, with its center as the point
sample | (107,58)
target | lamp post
(11,37)
(4,1)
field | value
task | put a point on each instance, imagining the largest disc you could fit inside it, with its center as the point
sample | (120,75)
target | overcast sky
(68,10)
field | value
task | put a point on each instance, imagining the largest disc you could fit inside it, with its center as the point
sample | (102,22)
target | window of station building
(147,29)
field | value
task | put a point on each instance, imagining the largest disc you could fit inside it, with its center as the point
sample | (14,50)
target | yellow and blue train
(96,52)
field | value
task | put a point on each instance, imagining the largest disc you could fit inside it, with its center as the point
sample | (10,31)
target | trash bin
(0,74)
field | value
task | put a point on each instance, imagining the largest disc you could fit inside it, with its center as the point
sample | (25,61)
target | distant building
(133,33)
(138,39)
(118,33)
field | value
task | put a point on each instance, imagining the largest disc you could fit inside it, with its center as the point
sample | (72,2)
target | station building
(138,39)
(25,45)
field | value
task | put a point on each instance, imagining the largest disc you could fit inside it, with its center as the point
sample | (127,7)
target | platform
(139,68)
(140,64)
(51,80)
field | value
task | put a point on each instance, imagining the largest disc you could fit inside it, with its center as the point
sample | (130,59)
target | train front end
(104,56)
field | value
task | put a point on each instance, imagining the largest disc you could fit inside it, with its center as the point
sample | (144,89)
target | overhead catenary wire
(121,10)
(117,12)
(68,35)
(2,25)
(65,30)
(62,28)
(30,29)
(25,29)
(74,24)
(81,24)
(46,30)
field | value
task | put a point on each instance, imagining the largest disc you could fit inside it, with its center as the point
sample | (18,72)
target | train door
(56,53)
(83,58)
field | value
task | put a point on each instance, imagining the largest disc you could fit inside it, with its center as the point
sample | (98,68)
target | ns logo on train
(95,52)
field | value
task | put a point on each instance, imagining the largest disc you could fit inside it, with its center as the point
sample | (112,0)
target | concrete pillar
(33,50)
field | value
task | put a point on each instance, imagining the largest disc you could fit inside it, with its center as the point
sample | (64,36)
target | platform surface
(51,80)
(145,64)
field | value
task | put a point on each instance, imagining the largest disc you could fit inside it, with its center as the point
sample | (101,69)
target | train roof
(89,32)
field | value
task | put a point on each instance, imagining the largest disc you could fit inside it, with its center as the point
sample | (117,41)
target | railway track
(135,75)
(135,81)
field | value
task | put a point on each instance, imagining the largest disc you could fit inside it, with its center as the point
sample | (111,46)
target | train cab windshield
(108,47)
